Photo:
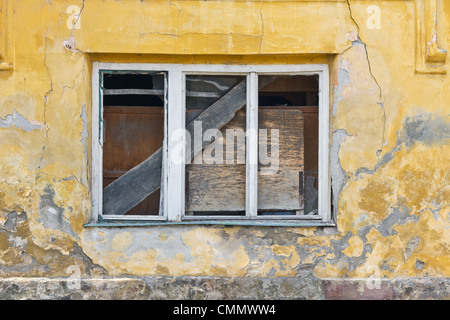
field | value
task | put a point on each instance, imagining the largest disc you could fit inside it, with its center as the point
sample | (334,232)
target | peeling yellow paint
(392,212)
(355,247)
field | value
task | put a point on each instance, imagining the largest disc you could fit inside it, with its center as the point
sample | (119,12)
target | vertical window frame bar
(174,168)
(251,155)
(97,151)
(324,192)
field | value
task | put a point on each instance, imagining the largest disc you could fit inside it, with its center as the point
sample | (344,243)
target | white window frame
(173,177)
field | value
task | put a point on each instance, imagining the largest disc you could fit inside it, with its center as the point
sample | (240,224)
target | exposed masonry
(222,288)
(25,257)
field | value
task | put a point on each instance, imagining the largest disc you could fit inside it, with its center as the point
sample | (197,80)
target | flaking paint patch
(19,121)
(413,177)
(51,215)
(356,109)
(342,80)
(355,247)
(425,128)
(84,137)
(338,175)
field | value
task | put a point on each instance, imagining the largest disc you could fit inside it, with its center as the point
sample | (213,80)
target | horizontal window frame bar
(195,69)
(195,218)
(267,217)
(134,217)
(252,223)
(156,92)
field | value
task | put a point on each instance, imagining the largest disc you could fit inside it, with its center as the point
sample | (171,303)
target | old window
(211,143)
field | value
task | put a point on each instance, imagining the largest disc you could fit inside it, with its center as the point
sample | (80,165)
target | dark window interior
(133,81)
(133,129)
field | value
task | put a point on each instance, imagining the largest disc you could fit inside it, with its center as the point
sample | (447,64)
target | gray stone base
(220,288)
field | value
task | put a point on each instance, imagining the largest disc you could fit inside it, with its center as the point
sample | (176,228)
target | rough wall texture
(390,129)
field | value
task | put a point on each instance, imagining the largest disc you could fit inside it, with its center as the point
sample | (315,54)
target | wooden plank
(219,114)
(215,188)
(212,187)
(148,207)
(311,98)
(222,188)
(145,178)
(157,92)
(133,109)
(132,134)
(130,138)
(119,92)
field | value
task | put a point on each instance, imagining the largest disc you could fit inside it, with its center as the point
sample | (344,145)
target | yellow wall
(390,125)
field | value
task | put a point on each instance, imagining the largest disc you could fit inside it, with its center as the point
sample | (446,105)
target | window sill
(251,223)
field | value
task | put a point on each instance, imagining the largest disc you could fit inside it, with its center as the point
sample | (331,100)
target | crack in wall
(46,97)
(69,43)
(77,19)
(380,97)
(423,128)
(359,40)
(141,34)
(230,34)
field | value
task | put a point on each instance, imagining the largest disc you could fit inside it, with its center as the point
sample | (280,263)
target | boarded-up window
(215,180)
(249,141)
(290,104)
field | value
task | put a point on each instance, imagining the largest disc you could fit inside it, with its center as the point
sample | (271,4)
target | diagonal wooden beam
(136,184)
(144,179)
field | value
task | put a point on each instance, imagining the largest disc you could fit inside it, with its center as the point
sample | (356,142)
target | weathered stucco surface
(390,129)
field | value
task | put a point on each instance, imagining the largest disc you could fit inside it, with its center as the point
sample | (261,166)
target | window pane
(133,124)
(288,145)
(215,176)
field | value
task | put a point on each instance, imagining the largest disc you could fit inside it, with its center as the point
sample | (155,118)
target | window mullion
(324,173)
(174,164)
(251,197)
